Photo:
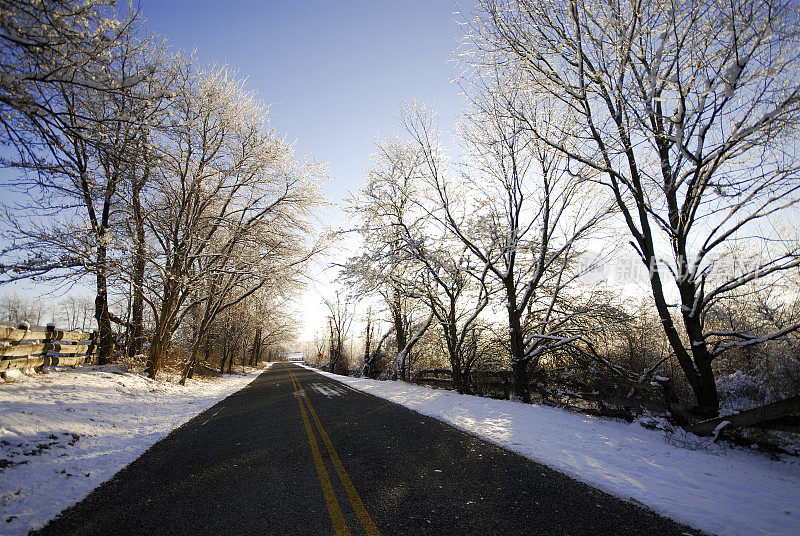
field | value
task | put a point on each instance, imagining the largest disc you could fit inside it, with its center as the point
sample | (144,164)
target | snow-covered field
(64,433)
(708,486)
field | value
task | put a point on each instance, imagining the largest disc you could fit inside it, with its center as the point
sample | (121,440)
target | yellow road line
(358,506)
(355,500)
(339,524)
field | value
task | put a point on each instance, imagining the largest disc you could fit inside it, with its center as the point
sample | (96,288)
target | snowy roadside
(63,434)
(715,489)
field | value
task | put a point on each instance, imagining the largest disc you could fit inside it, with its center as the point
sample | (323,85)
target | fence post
(49,335)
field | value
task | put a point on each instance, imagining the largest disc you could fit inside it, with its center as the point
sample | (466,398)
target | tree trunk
(224,358)
(455,363)
(521,389)
(206,353)
(519,363)
(187,370)
(156,356)
(466,380)
(703,382)
(106,343)
(451,340)
(137,277)
(256,350)
(697,365)
(705,390)
(366,371)
(164,328)
(455,374)
(332,350)
(400,335)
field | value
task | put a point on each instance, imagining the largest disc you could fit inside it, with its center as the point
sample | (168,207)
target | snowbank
(715,489)
(63,434)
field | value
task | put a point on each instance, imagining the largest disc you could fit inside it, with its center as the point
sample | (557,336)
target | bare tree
(73,134)
(15,309)
(340,320)
(228,213)
(77,312)
(372,352)
(258,319)
(688,113)
(522,212)
(386,207)
(454,287)
(419,259)
(48,46)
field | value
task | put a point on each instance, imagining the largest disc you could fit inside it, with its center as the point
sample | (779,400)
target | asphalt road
(297,453)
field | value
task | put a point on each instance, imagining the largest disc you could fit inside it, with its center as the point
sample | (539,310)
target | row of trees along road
(132,165)
(671,124)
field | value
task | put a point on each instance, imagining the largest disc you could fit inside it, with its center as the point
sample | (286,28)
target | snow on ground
(64,433)
(712,488)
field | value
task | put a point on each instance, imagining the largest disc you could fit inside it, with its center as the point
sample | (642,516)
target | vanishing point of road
(297,453)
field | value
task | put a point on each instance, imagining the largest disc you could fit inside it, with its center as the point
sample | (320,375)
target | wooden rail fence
(23,348)
(499,384)
(780,415)
(781,410)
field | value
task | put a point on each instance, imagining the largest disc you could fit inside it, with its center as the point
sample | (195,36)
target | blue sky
(333,72)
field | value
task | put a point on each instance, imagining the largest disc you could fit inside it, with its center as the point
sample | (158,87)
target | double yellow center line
(339,523)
